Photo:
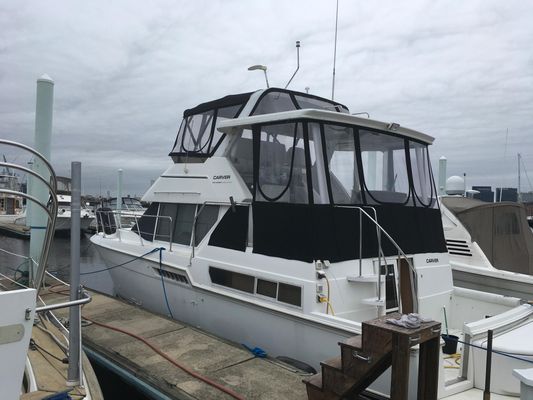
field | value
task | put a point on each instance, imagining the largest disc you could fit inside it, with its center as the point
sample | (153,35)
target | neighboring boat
(11,206)
(285,222)
(130,211)
(34,347)
(64,212)
(490,245)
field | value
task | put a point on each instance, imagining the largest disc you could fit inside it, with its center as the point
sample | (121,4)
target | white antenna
(335,53)
(297,63)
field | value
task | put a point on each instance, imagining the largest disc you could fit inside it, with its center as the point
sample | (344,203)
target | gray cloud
(125,71)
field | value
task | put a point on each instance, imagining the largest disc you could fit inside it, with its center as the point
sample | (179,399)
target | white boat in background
(285,222)
(64,212)
(490,245)
(11,206)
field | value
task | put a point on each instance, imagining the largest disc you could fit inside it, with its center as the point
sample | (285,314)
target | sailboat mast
(519,192)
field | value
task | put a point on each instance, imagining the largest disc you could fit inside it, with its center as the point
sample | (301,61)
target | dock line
(195,374)
(124,263)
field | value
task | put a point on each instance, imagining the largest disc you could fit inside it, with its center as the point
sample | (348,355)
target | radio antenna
(297,63)
(335,53)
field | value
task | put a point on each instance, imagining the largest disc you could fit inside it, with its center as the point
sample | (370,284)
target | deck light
(262,68)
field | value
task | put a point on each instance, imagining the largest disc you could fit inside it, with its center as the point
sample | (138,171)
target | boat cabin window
(385,168)
(282,166)
(424,190)
(241,155)
(310,162)
(282,292)
(177,221)
(197,136)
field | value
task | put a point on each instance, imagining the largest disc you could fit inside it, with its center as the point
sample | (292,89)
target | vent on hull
(458,247)
(171,275)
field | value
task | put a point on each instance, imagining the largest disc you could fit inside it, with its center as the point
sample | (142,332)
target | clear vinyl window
(384,167)
(282,172)
(423,187)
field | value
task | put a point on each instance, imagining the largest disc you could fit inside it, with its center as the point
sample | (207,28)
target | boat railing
(49,206)
(117,226)
(46,200)
(381,255)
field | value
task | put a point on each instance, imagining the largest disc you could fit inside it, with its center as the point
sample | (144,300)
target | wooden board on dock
(226,363)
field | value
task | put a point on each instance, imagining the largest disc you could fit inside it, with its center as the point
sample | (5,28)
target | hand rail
(86,299)
(50,207)
(121,213)
(414,282)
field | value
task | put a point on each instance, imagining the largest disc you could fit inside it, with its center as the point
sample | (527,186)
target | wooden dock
(223,362)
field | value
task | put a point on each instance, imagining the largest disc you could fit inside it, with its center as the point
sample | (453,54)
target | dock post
(35,217)
(73,378)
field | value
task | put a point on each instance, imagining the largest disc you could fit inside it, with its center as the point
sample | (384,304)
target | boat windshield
(325,163)
(197,136)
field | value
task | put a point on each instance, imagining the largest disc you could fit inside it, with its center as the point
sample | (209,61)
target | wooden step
(354,342)
(333,378)
(314,389)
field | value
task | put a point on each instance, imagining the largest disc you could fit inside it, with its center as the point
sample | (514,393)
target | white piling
(35,217)
(442,175)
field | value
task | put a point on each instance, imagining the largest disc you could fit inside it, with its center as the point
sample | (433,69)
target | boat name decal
(432,260)
(221,177)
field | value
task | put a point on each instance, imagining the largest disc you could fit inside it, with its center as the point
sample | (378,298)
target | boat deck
(225,363)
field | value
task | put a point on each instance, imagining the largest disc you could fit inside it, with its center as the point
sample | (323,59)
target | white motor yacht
(285,222)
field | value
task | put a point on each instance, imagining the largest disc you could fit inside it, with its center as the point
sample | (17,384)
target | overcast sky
(124,71)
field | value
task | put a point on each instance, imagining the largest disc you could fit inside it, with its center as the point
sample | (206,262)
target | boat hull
(278,333)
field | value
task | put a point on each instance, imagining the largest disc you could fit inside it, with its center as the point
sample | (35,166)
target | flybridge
(198,137)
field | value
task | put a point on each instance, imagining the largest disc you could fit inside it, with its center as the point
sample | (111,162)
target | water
(58,261)
(113,387)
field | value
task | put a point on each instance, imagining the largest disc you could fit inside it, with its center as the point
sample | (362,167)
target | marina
(194,209)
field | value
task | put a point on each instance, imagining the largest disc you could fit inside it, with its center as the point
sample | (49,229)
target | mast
(519,195)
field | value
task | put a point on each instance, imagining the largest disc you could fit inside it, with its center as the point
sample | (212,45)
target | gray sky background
(124,72)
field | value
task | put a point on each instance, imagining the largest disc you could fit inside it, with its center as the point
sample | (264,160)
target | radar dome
(455,185)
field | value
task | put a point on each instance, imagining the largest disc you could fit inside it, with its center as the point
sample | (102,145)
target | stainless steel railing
(119,214)
(381,254)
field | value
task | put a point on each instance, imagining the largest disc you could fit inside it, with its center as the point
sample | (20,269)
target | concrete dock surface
(226,363)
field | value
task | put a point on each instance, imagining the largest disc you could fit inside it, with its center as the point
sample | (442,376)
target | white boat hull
(232,319)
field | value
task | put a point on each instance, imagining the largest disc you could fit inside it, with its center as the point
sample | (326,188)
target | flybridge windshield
(198,136)
(311,162)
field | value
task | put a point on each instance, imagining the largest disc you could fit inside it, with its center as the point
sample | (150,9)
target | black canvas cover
(232,230)
(500,229)
(324,232)
(226,101)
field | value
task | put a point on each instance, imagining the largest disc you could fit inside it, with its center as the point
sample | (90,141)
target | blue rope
(163,281)
(502,353)
(124,263)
